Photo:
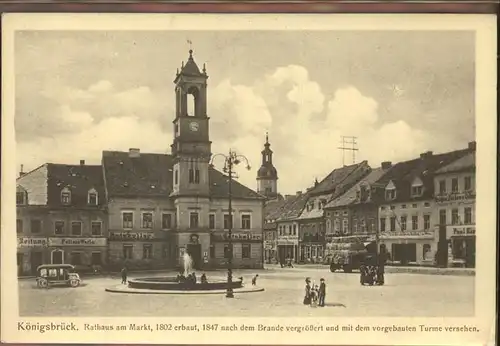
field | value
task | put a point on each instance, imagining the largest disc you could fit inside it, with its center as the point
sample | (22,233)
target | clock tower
(191,148)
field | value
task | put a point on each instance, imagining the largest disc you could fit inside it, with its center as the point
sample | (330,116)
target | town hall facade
(156,207)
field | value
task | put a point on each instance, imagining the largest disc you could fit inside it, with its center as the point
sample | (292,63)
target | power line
(352,141)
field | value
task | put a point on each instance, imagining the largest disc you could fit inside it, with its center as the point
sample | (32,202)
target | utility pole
(346,141)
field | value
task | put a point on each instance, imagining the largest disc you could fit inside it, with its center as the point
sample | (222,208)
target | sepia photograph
(212,172)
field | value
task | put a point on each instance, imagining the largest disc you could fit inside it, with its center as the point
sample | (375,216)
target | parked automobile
(57,274)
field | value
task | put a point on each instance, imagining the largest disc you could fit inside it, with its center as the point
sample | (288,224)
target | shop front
(31,253)
(462,246)
(288,248)
(85,253)
(139,250)
(270,251)
(247,250)
(410,247)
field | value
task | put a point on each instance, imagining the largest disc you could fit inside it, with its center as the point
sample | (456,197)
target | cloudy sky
(400,92)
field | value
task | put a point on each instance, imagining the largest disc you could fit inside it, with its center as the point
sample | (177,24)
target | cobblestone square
(404,295)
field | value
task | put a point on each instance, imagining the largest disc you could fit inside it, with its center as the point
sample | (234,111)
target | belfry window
(191,101)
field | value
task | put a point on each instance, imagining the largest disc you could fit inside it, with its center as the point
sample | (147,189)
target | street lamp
(230,160)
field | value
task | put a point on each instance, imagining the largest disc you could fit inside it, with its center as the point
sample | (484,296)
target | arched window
(66,196)
(192,101)
(21,195)
(92,197)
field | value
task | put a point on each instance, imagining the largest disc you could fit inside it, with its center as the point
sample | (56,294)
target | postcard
(248,179)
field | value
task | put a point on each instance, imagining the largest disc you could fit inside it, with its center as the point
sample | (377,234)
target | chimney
(472,145)
(21,172)
(386,164)
(82,162)
(134,152)
(426,154)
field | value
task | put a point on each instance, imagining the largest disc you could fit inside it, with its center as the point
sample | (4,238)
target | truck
(348,254)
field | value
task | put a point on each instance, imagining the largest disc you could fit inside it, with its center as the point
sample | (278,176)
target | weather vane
(190,44)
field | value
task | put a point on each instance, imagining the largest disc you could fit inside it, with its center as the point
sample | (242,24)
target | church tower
(267,176)
(191,148)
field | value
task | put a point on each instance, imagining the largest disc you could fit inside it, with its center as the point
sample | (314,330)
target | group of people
(191,278)
(314,294)
(286,262)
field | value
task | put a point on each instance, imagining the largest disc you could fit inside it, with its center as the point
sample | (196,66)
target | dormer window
(417,191)
(92,198)
(390,191)
(21,196)
(417,187)
(66,196)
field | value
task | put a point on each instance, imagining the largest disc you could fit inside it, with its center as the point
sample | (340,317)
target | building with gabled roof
(311,219)
(61,217)
(455,212)
(355,213)
(405,215)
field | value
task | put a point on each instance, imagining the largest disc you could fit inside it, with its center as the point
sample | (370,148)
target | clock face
(193,126)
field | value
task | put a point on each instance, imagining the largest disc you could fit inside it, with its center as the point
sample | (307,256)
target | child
(314,295)
(254,280)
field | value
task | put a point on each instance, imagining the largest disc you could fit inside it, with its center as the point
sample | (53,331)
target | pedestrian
(322,292)
(193,277)
(254,279)
(124,275)
(203,278)
(307,292)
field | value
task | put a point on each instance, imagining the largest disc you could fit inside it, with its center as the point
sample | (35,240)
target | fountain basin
(170,283)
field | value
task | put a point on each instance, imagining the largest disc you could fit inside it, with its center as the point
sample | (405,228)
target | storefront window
(245,250)
(426,249)
(147,251)
(127,251)
(468,216)
(76,258)
(227,251)
(454,217)
(96,258)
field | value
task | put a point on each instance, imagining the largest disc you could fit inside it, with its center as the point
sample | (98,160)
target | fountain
(182,283)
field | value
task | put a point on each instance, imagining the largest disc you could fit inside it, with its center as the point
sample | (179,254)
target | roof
(349,197)
(334,185)
(294,207)
(148,174)
(79,179)
(219,187)
(191,69)
(465,163)
(333,179)
(403,174)
(151,174)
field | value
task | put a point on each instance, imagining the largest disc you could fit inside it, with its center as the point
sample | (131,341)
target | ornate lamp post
(230,160)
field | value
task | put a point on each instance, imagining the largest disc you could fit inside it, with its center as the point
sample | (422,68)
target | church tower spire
(267,175)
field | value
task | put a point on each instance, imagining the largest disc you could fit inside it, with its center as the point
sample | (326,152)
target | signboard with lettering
(407,235)
(237,236)
(32,242)
(131,236)
(77,241)
(461,231)
(451,197)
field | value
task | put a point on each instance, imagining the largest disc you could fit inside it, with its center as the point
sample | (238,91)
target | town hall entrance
(194,250)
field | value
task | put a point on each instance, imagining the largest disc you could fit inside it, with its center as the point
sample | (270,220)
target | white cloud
(304,134)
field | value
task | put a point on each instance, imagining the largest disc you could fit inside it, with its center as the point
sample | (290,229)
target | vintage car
(57,274)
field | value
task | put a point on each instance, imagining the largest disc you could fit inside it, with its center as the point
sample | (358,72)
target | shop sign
(237,236)
(131,236)
(77,241)
(451,197)
(32,242)
(458,231)
(407,235)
